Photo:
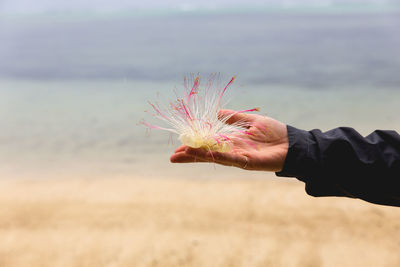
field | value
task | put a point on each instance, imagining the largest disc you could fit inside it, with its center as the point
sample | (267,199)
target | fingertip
(225,112)
(181,157)
(173,158)
(180,148)
(232,116)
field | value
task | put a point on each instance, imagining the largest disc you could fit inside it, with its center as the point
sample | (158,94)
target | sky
(41,6)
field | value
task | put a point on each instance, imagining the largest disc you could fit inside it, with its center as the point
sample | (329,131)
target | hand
(263,148)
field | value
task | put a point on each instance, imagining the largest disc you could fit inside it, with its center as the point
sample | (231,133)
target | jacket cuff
(297,163)
(302,162)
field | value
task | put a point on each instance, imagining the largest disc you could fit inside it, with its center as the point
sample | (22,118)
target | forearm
(341,162)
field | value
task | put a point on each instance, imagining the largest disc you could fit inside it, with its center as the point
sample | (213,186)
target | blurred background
(75,76)
(83,185)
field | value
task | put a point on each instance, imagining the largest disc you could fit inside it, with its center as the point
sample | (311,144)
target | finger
(228,159)
(196,152)
(180,148)
(231,116)
(182,157)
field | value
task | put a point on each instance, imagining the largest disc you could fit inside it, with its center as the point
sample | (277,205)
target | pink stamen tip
(151,126)
(248,110)
(223,91)
(195,86)
(229,83)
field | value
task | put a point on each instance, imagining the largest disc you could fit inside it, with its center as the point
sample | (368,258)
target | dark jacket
(341,162)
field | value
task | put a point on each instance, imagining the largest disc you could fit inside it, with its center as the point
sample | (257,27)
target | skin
(264,148)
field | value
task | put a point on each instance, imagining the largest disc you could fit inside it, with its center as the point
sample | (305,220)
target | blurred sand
(182,222)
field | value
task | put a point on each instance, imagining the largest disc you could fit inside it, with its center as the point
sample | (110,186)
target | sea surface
(73,89)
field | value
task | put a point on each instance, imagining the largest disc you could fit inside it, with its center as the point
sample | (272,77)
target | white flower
(194,116)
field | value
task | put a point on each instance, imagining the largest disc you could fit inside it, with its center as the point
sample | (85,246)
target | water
(318,51)
(91,128)
(73,91)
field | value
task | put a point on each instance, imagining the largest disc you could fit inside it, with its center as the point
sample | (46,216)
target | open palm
(263,147)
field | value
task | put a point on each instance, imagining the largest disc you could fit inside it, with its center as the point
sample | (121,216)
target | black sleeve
(341,162)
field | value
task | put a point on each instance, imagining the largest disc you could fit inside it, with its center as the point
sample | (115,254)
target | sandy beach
(189,222)
(83,184)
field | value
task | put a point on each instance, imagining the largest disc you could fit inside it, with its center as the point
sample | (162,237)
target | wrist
(296,162)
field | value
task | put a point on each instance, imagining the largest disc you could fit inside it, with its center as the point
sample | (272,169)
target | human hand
(263,148)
